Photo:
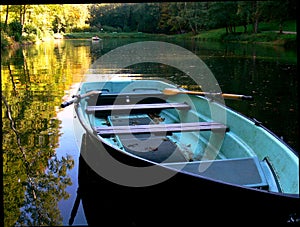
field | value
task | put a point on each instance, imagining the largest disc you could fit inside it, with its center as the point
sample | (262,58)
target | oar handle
(78,97)
(67,103)
(233,96)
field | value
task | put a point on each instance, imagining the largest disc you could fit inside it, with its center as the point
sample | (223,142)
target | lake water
(40,152)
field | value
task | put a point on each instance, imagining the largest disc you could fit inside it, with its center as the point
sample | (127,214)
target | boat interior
(175,132)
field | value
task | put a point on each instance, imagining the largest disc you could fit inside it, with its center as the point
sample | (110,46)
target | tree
(271,12)
(101,14)
(175,21)
(196,16)
(244,13)
(6,17)
(15,30)
(224,14)
(164,16)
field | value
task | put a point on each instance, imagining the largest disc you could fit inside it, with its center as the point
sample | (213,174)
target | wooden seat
(129,107)
(161,128)
(107,98)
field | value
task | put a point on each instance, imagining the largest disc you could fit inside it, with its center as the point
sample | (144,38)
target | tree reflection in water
(38,178)
(34,177)
(41,198)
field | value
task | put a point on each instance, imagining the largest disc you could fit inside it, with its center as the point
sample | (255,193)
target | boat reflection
(105,203)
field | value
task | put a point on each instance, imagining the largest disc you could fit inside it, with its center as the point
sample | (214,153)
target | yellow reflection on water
(33,81)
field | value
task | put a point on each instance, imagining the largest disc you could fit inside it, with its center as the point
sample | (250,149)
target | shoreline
(286,39)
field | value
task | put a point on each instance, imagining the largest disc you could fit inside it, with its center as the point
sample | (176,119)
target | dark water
(40,152)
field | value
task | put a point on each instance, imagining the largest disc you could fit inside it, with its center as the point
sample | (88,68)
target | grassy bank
(268,34)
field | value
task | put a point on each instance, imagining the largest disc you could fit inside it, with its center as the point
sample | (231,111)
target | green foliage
(30,34)
(5,40)
(83,29)
(274,26)
(15,30)
(2,26)
(222,14)
(42,21)
(110,29)
(127,17)
(195,17)
(30,29)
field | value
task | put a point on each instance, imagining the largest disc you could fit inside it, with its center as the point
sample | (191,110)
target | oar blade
(171,91)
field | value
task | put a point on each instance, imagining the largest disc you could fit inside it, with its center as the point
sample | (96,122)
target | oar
(174,91)
(76,98)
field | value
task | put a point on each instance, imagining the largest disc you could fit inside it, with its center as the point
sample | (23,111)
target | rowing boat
(95,38)
(160,152)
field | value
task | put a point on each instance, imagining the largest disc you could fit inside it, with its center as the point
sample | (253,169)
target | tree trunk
(23,18)
(245,28)
(22,15)
(280,28)
(256,16)
(6,18)
(192,28)
(255,26)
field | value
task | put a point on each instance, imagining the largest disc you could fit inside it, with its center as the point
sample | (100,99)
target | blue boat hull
(182,200)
